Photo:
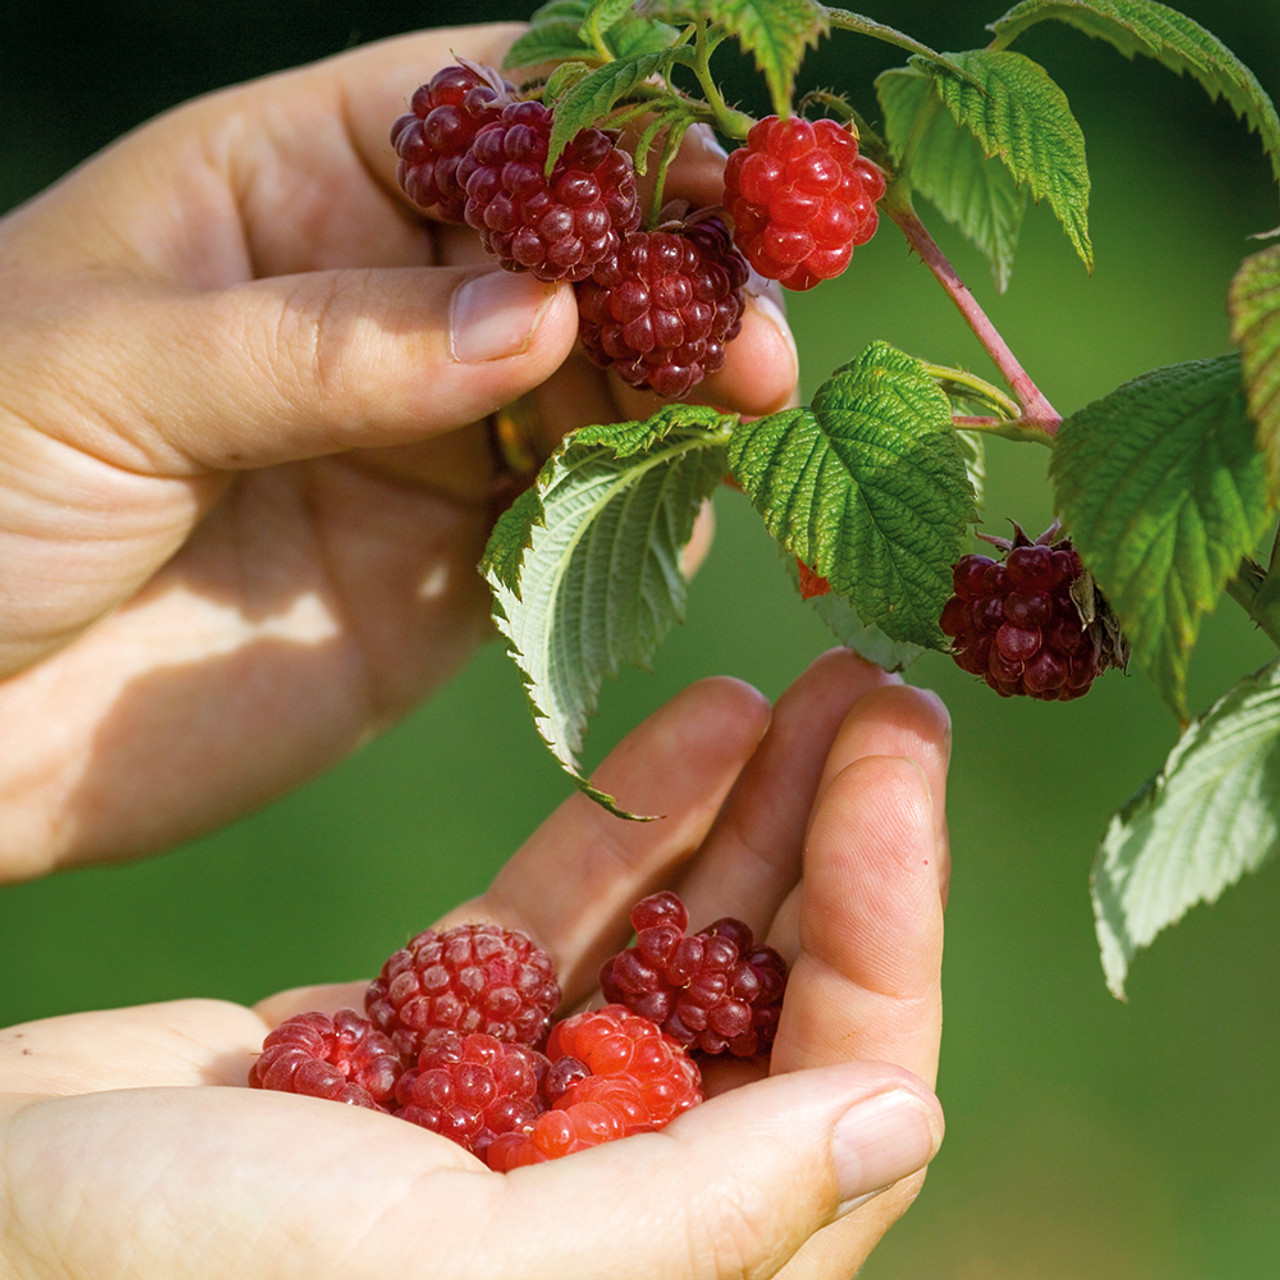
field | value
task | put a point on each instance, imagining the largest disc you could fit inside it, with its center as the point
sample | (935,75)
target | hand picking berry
(342,1058)
(661,307)
(1035,624)
(716,991)
(474,977)
(801,198)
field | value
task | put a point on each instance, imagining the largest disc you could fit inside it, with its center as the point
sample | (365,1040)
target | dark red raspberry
(474,977)
(471,1088)
(801,197)
(342,1058)
(613,1074)
(437,131)
(557,227)
(1034,624)
(661,309)
(715,991)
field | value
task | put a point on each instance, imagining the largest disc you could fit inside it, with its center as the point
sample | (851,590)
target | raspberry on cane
(474,977)
(661,309)
(472,1088)
(560,226)
(1033,625)
(437,131)
(342,1058)
(801,198)
(716,991)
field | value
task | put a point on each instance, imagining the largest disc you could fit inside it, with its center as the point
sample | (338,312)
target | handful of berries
(459,1036)
(658,304)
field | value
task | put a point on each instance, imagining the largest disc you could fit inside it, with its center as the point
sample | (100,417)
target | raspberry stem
(1037,415)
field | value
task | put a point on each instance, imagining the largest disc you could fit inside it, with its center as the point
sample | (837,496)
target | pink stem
(1036,410)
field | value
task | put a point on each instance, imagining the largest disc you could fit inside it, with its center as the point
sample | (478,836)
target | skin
(244,481)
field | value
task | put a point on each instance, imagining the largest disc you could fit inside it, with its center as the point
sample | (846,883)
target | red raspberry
(661,309)
(340,1057)
(1033,625)
(433,136)
(613,1074)
(715,991)
(471,1088)
(474,977)
(556,227)
(801,198)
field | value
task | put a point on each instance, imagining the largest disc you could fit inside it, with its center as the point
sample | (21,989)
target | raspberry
(342,1058)
(433,136)
(613,1074)
(801,198)
(715,991)
(1034,625)
(556,227)
(662,307)
(471,1088)
(475,977)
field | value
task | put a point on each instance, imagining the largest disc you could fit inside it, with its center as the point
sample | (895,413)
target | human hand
(822,827)
(246,480)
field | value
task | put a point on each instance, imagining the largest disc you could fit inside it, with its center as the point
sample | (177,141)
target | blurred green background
(1086,1137)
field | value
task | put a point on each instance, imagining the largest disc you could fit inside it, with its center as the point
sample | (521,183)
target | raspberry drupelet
(801,198)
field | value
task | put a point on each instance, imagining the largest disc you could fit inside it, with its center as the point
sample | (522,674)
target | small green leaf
(553,36)
(867,485)
(1211,814)
(1255,326)
(1161,486)
(601,15)
(776,34)
(948,167)
(632,36)
(591,98)
(1143,26)
(1016,112)
(585,566)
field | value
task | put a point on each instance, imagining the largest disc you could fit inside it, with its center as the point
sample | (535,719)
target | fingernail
(703,136)
(494,315)
(771,310)
(881,1139)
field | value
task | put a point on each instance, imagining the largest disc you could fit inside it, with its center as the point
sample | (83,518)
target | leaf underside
(1255,327)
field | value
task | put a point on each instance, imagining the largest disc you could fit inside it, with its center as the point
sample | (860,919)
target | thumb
(299,366)
(732,1188)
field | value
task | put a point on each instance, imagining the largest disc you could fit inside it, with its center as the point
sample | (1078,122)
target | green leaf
(1211,814)
(1161,486)
(556,34)
(585,566)
(590,99)
(948,167)
(1255,326)
(632,36)
(1018,113)
(1142,26)
(867,485)
(973,451)
(776,34)
(601,15)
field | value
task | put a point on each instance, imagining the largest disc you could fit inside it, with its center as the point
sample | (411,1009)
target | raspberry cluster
(1034,624)
(460,1039)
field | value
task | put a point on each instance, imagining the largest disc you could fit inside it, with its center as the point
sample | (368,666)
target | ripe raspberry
(661,309)
(613,1074)
(715,991)
(340,1057)
(433,136)
(556,227)
(1034,624)
(471,1088)
(475,977)
(801,198)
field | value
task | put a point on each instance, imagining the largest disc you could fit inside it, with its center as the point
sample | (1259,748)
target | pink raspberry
(474,977)
(1019,626)
(557,227)
(342,1058)
(716,991)
(471,1088)
(801,198)
(437,131)
(661,309)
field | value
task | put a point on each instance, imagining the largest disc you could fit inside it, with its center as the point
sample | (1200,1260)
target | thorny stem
(733,124)
(1253,591)
(1037,412)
